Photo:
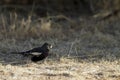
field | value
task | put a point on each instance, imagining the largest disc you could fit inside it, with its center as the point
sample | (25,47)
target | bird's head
(47,46)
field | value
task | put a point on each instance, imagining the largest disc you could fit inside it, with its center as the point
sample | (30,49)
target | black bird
(38,53)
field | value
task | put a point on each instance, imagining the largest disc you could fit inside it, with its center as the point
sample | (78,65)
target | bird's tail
(22,53)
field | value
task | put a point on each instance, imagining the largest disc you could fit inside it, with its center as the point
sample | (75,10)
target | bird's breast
(45,54)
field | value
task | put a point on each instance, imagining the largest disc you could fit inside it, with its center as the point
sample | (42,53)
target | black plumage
(38,53)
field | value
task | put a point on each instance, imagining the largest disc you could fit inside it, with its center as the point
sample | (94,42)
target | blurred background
(57,18)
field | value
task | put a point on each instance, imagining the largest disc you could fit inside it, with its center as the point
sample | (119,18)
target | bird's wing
(35,53)
(38,49)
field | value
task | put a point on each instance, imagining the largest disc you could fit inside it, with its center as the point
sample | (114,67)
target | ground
(62,70)
(64,63)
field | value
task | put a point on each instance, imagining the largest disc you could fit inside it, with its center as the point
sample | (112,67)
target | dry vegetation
(85,48)
(64,69)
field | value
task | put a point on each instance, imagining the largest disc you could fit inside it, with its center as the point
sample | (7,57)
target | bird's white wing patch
(36,53)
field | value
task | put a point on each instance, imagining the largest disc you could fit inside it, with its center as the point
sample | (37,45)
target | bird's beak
(51,46)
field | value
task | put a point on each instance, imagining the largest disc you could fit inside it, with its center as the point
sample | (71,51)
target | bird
(38,53)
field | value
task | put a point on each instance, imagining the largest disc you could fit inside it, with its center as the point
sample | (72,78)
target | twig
(70,49)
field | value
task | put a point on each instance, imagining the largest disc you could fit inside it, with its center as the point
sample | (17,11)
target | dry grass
(83,49)
(62,70)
